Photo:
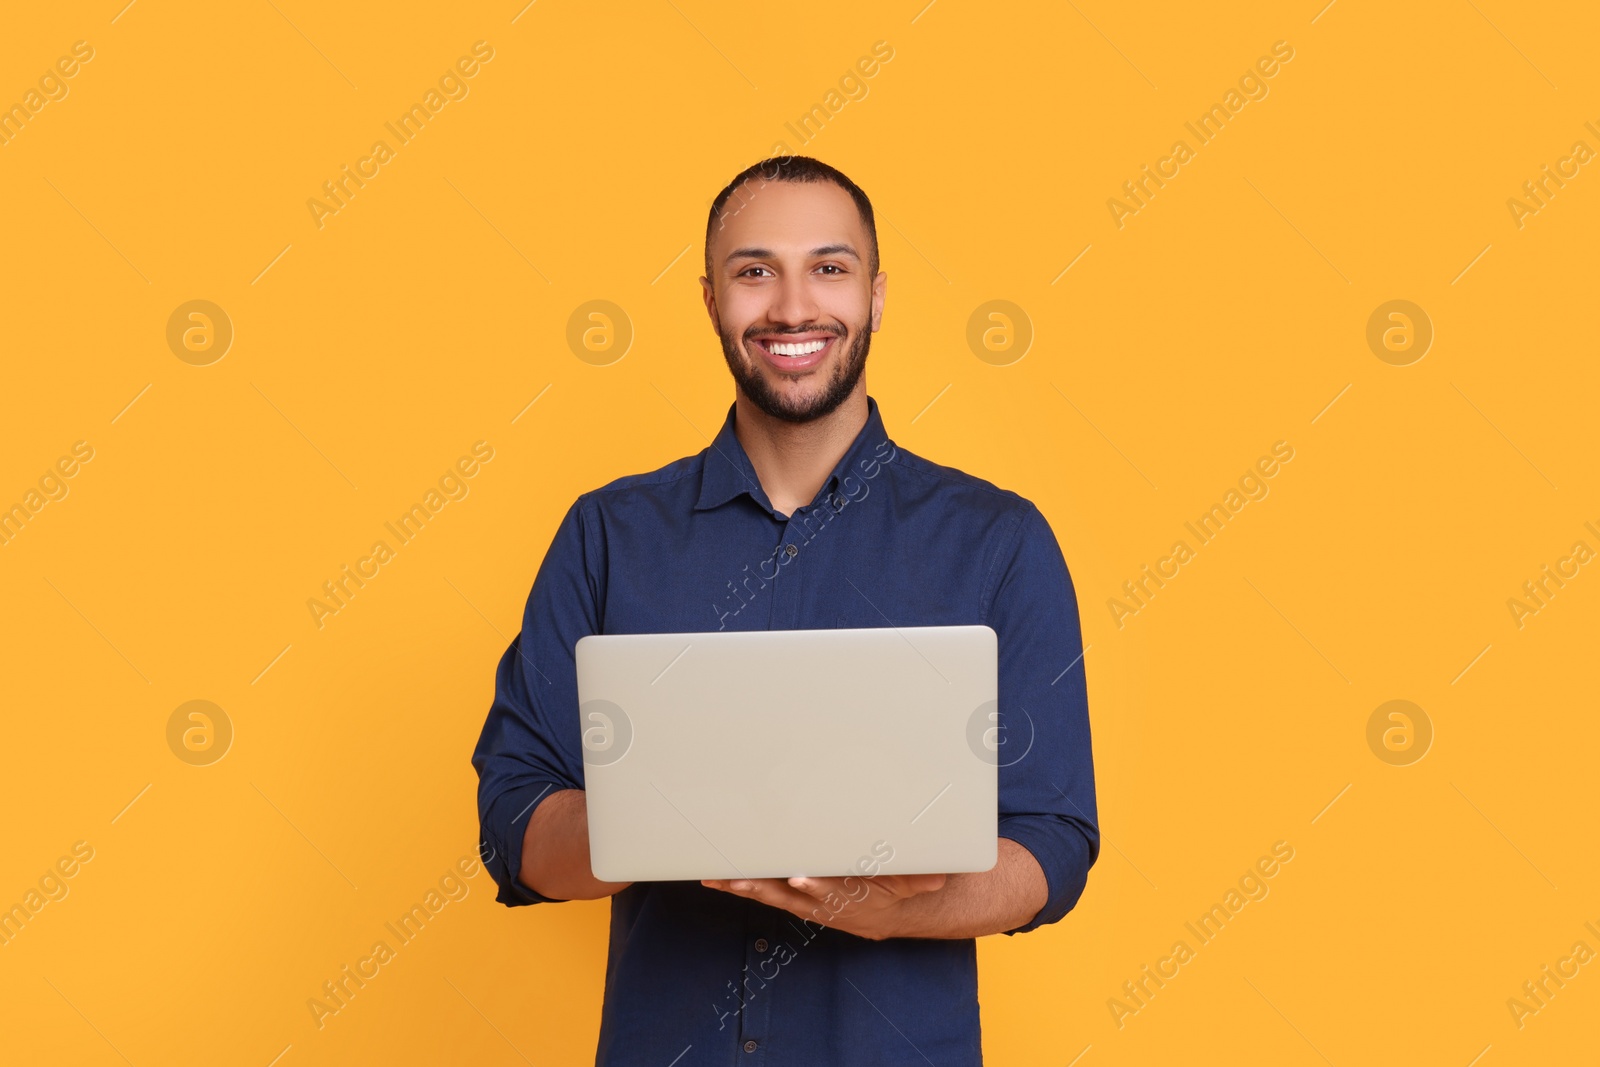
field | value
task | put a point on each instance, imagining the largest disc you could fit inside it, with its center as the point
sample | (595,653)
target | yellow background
(371,352)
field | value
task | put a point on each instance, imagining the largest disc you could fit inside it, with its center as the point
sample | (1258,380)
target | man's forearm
(555,850)
(977,904)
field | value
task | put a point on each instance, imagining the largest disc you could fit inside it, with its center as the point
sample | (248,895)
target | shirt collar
(727,470)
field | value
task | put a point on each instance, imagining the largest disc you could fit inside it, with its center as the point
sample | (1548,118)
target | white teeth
(804,349)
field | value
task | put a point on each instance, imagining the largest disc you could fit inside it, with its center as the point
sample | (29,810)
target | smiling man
(802,514)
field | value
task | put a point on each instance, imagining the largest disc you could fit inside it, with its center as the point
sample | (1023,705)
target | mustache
(752,334)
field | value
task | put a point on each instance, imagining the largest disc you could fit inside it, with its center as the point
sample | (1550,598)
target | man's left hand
(867,907)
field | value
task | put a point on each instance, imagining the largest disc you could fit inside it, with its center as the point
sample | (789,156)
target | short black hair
(796,169)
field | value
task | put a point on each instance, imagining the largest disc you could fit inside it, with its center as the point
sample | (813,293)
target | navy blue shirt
(698,976)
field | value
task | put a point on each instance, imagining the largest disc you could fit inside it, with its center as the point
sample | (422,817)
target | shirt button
(761,944)
(791,551)
(750,1046)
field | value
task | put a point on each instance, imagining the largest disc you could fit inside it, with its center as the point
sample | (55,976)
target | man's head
(792,261)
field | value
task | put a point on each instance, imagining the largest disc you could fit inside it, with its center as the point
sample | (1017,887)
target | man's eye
(747,270)
(831,266)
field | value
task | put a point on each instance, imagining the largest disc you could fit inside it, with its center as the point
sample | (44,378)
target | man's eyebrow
(767,253)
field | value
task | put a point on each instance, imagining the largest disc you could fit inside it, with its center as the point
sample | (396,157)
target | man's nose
(794,304)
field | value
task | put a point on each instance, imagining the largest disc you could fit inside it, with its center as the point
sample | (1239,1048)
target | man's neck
(794,459)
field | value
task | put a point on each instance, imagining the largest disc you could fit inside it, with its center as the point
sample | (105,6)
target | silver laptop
(790,752)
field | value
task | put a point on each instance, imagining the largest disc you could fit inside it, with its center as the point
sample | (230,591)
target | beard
(846,373)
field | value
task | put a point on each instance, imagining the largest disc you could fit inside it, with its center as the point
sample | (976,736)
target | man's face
(790,295)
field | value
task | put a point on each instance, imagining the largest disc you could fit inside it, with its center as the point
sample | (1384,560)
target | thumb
(923,883)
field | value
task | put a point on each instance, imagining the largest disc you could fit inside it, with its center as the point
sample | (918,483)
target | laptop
(777,753)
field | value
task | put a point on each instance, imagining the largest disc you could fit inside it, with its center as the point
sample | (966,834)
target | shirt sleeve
(1047,797)
(530,744)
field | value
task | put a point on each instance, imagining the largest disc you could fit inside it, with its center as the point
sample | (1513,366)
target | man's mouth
(795,353)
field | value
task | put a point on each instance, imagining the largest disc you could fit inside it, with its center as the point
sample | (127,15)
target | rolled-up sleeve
(1047,797)
(530,745)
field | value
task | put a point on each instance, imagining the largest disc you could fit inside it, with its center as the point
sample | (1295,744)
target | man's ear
(710,298)
(880,289)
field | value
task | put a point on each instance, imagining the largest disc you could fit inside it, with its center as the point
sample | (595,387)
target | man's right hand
(555,851)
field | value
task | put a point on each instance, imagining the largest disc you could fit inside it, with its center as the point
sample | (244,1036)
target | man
(802,514)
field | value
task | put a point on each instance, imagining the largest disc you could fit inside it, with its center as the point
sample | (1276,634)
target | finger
(824,888)
(773,891)
(746,887)
(733,885)
(855,888)
(907,885)
(923,883)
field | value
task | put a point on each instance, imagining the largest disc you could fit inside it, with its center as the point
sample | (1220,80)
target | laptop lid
(786,752)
